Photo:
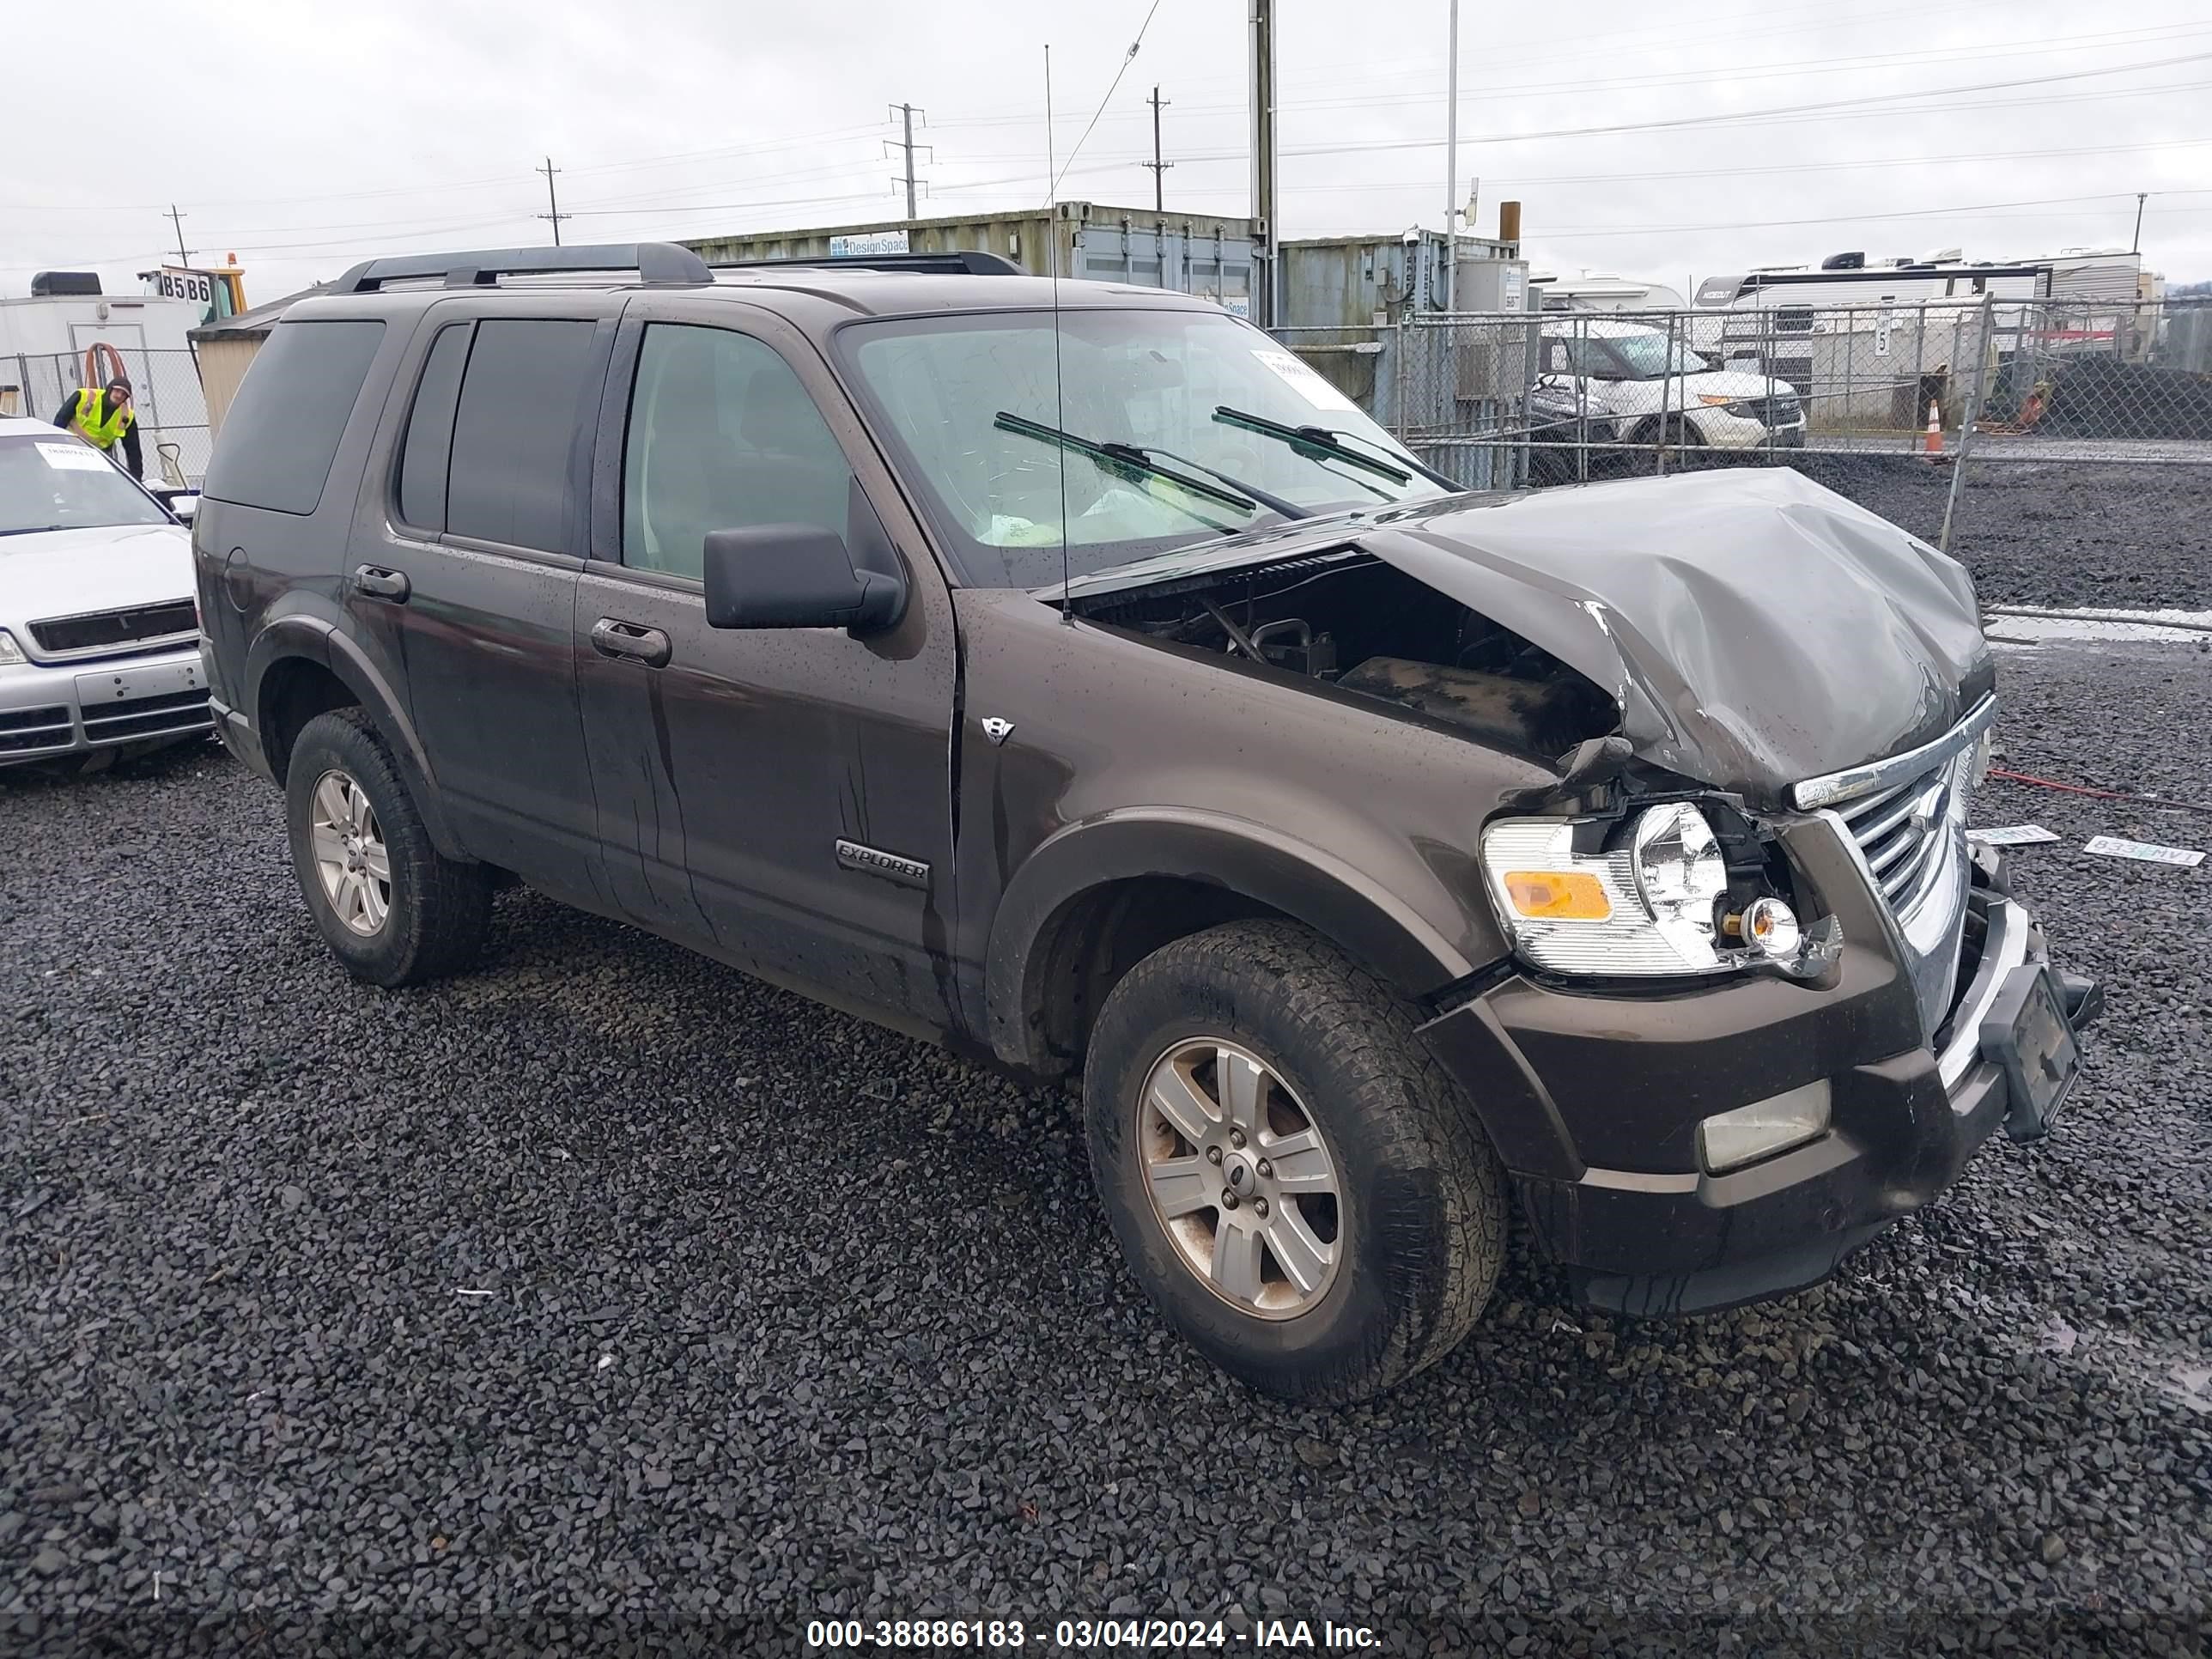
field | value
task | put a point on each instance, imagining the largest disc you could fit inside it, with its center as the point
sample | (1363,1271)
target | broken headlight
(1588,896)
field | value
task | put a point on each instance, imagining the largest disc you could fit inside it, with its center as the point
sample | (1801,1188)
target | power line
(1127,58)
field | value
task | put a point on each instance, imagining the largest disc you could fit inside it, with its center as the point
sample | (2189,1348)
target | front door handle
(611,637)
(378,583)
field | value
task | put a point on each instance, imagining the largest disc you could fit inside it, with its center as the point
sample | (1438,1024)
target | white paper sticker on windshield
(1304,381)
(72,458)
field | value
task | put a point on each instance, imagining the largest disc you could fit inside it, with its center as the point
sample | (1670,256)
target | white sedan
(99,639)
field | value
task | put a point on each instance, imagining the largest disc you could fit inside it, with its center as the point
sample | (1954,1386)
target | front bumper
(1722,430)
(49,709)
(1594,1111)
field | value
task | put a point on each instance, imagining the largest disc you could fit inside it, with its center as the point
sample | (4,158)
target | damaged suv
(1069,674)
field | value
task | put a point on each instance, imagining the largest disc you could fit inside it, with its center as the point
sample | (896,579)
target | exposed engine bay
(1357,624)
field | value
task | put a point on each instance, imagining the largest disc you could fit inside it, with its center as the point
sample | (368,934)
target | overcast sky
(304,136)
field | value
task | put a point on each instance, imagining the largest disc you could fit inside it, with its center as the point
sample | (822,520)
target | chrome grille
(1901,831)
(1905,819)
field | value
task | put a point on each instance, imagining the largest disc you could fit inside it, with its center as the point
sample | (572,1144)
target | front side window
(722,436)
(514,430)
(56,482)
(975,400)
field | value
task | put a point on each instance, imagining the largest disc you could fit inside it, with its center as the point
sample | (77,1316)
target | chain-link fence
(165,385)
(1507,399)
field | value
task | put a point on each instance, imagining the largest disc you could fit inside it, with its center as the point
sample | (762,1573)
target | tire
(429,916)
(1419,1211)
(1685,445)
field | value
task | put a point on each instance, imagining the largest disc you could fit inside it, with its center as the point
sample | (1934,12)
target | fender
(1333,897)
(305,635)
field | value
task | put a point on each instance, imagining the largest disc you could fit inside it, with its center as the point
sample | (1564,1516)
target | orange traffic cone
(1934,442)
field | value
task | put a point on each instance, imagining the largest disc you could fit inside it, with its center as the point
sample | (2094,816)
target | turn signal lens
(1557,895)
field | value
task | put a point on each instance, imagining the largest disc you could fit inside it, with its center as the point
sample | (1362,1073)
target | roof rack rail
(961,261)
(662,264)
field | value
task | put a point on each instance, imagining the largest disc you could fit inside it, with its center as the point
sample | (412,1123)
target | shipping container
(1193,253)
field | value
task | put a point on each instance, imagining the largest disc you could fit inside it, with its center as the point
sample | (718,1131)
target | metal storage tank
(1194,254)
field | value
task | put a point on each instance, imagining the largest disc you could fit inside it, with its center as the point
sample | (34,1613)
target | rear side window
(515,429)
(429,444)
(281,436)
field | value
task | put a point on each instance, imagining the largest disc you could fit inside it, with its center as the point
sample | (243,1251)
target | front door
(780,797)
(470,591)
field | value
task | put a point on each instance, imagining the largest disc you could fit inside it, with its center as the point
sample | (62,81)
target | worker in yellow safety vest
(104,419)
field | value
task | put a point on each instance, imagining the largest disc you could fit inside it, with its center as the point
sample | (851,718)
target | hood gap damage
(1356,624)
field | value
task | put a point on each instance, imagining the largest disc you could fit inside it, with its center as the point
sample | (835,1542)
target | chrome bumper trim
(2004,949)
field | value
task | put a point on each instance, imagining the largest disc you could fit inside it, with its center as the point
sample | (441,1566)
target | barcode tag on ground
(2112,847)
(2013,835)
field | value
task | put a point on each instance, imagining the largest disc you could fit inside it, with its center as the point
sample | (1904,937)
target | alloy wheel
(1240,1178)
(349,854)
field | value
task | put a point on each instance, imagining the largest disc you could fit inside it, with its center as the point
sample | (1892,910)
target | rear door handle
(378,583)
(611,637)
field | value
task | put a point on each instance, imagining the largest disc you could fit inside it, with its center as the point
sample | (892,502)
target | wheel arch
(300,667)
(1101,895)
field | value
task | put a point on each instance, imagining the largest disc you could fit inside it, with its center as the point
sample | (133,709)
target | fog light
(1763,1128)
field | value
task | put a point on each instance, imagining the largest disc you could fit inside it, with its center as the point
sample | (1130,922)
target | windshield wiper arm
(1128,459)
(1267,498)
(1331,443)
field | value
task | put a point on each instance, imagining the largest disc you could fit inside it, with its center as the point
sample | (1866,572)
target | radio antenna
(1059,392)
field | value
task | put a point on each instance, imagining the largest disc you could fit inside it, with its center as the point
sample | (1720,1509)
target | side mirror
(796,575)
(185,507)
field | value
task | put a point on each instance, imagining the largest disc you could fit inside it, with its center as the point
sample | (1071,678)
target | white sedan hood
(67,573)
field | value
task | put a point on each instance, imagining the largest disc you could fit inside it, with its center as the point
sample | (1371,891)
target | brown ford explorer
(1072,676)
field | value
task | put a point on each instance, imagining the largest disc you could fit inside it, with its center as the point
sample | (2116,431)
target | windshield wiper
(1331,445)
(1134,462)
(32,530)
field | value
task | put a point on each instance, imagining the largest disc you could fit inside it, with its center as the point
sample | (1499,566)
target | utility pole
(1266,290)
(552,201)
(1451,163)
(185,257)
(2137,246)
(906,113)
(1159,167)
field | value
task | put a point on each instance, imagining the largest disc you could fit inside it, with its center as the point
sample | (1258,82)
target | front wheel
(1291,1176)
(391,908)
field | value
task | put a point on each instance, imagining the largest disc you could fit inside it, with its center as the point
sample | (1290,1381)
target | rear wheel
(391,908)
(1290,1175)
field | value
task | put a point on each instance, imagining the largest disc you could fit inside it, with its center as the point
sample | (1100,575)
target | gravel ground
(2041,534)
(607,1301)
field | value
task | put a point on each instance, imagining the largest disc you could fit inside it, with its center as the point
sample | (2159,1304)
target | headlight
(1648,906)
(10,651)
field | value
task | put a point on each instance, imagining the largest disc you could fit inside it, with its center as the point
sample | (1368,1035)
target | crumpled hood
(1754,628)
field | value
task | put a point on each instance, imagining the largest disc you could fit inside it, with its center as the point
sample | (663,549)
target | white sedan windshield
(59,483)
(1005,427)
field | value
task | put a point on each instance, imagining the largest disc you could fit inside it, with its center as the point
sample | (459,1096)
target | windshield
(1648,356)
(966,395)
(57,483)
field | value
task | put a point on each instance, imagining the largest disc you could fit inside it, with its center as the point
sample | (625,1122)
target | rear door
(470,584)
(732,767)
